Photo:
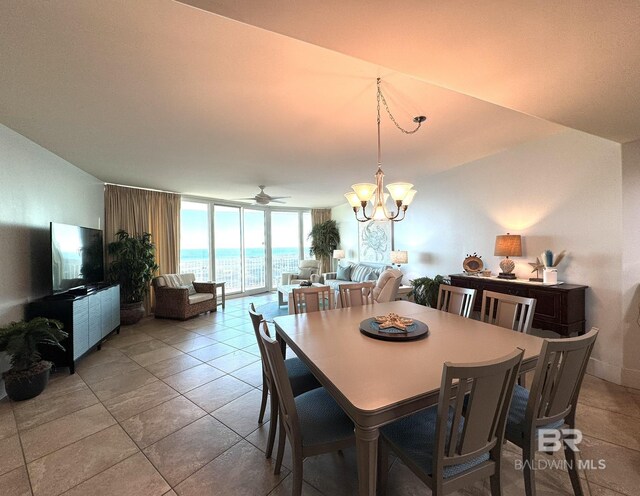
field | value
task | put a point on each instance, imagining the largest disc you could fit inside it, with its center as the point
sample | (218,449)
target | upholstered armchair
(387,286)
(178,296)
(308,270)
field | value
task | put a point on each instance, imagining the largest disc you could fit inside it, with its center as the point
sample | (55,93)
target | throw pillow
(344,273)
(192,290)
(305,273)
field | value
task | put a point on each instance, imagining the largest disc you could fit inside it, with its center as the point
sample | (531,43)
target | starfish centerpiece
(393,320)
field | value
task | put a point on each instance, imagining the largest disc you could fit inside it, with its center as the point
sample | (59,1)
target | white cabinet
(80,332)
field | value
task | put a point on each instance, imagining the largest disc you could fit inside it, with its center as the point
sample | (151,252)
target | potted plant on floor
(425,290)
(133,267)
(325,237)
(29,374)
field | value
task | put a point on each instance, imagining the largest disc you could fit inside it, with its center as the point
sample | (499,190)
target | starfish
(393,320)
(537,265)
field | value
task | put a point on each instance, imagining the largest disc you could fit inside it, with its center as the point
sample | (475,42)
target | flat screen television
(77,257)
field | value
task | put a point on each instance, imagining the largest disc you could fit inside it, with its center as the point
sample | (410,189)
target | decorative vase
(24,385)
(550,275)
(131,313)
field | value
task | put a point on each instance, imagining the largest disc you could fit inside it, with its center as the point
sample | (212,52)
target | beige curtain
(141,210)
(318,216)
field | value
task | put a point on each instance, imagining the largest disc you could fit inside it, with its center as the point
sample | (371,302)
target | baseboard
(613,373)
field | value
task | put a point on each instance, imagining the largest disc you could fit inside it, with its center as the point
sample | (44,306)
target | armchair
(308,270)
(178,296)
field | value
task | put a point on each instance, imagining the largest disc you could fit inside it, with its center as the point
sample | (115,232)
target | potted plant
(29,374)
(325,237)
(133,266)
(425,290)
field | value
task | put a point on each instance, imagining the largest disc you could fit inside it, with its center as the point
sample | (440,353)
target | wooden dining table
(376,382)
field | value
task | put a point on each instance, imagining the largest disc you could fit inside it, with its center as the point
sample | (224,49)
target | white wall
(631,262)
(36,187)
(561,192)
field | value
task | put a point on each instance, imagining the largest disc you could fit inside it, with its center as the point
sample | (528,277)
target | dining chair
(551,403)
(356,295)
(300,377)
(509,311)
(456,300)
(445,449)
(312,299)
(313,422)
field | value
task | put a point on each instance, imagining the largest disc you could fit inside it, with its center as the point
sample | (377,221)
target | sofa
(178,296)
(387,279)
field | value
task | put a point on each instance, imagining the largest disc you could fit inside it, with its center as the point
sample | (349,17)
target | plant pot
(27,384)
(131,313)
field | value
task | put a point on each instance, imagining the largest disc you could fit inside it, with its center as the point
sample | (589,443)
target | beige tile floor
(171,407)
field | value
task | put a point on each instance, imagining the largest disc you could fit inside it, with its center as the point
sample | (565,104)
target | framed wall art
(375,241)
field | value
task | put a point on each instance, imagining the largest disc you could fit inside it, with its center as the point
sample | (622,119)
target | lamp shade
(508,245)
(399,257)
(338,254)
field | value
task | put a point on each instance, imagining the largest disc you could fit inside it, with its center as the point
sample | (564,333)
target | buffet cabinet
(87,318)
(559,308)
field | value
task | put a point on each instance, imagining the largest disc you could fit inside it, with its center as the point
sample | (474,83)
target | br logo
(550,440)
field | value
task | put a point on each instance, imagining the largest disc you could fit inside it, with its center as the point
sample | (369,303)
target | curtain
(141,210)
(318,216)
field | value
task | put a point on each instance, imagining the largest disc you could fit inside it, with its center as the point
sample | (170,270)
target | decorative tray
(416,330)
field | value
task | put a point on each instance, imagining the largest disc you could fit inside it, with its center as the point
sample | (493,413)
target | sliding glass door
(247,247)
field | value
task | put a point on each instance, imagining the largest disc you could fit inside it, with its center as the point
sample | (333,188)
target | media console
(88,318)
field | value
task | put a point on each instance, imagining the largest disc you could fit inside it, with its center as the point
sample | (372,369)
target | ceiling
(156,93)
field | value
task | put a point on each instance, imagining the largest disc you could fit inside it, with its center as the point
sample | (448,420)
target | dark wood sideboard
(559,308)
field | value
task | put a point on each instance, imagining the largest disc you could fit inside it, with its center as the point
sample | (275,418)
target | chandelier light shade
(365,193)
(508,245)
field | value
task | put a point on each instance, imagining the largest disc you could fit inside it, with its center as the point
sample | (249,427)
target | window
(285,244)
(194,240)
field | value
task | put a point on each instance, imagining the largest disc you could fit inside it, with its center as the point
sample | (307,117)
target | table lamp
(338,255)
(508,245)
(399,257)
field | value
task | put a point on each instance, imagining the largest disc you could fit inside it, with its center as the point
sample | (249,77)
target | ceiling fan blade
(279,201)
(252,198)
(278,197)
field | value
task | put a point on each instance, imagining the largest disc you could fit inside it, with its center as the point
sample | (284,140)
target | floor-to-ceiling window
(248,247)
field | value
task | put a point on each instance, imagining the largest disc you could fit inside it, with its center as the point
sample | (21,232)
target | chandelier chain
(386,106)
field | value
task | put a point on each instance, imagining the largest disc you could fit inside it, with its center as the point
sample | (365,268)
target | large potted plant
(133,266)
(425,290)
(29,374)
(325,237)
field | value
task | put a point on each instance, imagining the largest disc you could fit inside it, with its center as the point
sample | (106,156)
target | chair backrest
(256,319)
(387,285)
(456,300)
(312,299)
(504,310)
(355,295)
(558,378)
(462,439)
(278,371)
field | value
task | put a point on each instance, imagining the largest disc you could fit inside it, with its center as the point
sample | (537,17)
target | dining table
(377,381)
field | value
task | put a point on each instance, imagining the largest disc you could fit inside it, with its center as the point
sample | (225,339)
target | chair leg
(263,405)
(572,462)
(383,466)
(280,455)
(273,425)
(528,459)
(297,472)
(495,479)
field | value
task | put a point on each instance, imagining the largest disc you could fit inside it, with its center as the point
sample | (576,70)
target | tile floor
(171,407)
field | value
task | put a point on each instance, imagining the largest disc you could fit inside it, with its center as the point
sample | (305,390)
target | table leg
(367,453)
(280,299)
(224,296)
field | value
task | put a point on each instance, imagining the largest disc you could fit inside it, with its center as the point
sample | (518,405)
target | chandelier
(401,193)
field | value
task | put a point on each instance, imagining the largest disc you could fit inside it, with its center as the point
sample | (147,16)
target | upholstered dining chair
(300,377)
(551,403)
(312,299)
(357,294)
(504,310)
(445,449)
(456,300)
(387,286)
(313,422)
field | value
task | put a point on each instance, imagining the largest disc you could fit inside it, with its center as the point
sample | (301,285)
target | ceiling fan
(264,199)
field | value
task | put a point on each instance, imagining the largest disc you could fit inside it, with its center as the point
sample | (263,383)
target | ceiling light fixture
(402,193)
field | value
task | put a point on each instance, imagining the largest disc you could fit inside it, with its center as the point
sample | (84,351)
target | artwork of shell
(375,241)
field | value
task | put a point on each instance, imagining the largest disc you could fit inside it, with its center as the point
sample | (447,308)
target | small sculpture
(537,267)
